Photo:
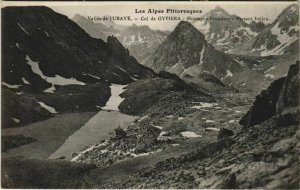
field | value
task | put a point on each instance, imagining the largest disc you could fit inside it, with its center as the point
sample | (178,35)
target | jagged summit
(184,24)
(187,54)
(218,8)
(187,32)
(281,36)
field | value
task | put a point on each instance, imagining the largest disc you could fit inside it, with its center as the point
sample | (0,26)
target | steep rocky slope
(281,37)
(64,49)
(187,54)
(49,59)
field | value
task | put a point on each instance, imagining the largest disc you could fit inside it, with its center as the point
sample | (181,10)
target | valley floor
(179,162)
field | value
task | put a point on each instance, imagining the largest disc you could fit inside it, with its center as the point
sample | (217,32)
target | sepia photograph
(150,95)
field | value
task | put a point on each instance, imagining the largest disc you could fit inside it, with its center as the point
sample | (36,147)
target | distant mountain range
(53,65)
(248,56)
(140,40)
(228,34)
(233,35)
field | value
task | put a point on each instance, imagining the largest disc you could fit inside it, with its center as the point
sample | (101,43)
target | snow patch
(18,46)
(49,108)
(93,76)
(205,105)
(190,134)
(57,80)
(46,33)
(146,154)
(249,31)
(232,121)
(115,99)
(76,158)
(270,76)
(158,127)
(22,28)
(180,118)
(209,121)
(284,39)
(212,129)
(202,55)
(50,90)
(270,69)
(121,69)
(178,68)
(11,86)
(15,120)
(25,81)
(169,116)
(142,118)
(228,73)
(202,26)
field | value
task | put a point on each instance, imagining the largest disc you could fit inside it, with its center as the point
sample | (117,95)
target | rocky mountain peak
(187,54)
(78,16)
(218,8)
(116,46)
(292,9)
(186,31)
(289,15)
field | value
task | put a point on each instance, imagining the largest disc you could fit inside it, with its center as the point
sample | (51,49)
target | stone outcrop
(280,95)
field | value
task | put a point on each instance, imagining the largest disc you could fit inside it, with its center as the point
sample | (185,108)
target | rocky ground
(230,163)
(266,145)
(175,119)
(187,140)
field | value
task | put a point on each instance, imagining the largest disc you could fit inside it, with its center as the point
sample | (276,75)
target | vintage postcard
(135,95)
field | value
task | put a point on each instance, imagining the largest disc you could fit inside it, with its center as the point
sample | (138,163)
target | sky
(243,9)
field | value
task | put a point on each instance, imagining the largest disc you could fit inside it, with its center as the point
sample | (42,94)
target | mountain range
(227,34)
(51,59)
(140,40)
(280,37)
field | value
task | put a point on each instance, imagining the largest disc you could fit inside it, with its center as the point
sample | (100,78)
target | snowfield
(57,80)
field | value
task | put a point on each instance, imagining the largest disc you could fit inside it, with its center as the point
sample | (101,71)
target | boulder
(223,133)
